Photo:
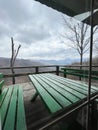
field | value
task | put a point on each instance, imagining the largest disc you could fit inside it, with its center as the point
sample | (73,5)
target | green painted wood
(1,85)
(1,75)
(21,122)
(8,106)
(70,96)
(2,96)
(71,89)
(79,84)
(81,73)
(1,82)
(55,94)
(10,119)
(52,105)
(63,91)
(4,106)
(34,97)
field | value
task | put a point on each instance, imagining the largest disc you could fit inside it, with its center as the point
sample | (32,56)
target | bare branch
(79,38)
(16,54)
(13,58)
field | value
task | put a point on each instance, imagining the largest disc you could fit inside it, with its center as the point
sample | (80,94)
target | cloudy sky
(36,27)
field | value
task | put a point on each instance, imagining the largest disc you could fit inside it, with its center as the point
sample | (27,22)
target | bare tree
(80,37)
(13,58)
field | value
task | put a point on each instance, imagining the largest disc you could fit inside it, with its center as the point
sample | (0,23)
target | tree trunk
(13,78)
(13,58)
(81,62)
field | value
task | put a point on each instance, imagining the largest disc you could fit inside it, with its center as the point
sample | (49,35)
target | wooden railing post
(13,77)
(57,70)
(37,70)
(65,73)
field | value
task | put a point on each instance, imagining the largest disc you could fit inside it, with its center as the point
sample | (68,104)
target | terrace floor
(36,111)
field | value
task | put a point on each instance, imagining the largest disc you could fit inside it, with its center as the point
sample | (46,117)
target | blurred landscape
(5,62)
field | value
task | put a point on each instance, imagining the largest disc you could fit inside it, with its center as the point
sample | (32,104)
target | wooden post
(13,77)
(57,70)
(37,70)
(13,58)
(65,73)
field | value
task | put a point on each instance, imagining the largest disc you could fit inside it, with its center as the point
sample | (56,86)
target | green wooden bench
(58,93)
(80,73)
(12,113)
(1,82)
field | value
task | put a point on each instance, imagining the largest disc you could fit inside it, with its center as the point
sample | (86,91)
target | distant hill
(5,62)
(58,62)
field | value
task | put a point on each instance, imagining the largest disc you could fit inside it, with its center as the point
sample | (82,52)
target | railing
(45,69)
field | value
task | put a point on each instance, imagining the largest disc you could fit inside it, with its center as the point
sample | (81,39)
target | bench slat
(73,86)
(57,96)
(1,75)
(78,84)
(48,100)
(69,89)
(1,85)
(80,73)
(81,86)
(2,96)
(10,119)
(21,122)
(4,106)
(73,98)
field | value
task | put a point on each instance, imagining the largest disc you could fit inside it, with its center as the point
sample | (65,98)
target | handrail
(23,67)
(56,70)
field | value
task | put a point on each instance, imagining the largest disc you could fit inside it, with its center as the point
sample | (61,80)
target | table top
(58,92)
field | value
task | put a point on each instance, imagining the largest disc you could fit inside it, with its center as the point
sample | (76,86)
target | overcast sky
(36,27)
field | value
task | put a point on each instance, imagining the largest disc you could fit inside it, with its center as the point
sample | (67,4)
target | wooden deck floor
(36,111)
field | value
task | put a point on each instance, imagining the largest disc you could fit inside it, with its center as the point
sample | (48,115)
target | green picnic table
(61,95)
(58,92)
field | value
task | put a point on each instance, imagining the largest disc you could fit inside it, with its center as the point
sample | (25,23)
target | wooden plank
(81,85)
(81,75)
(34,97)
(10,119)
(78,72)
(21,122)
(71,97)
(1,85)
(48,100)
(4,106)
(55,94)
(2,96)
(1,75)
(78,84)
(71,90)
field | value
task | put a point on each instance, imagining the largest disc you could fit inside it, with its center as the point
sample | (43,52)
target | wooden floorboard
(35,111)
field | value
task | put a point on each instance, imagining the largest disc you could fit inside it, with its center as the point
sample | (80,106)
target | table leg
(34,97)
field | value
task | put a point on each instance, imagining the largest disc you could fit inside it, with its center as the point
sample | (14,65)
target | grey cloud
(15,10)
(31,23)
(50,52)
(36,18)
(33,34)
